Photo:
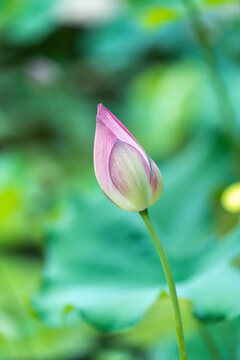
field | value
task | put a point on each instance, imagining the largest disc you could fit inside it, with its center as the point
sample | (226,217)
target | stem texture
(172,290)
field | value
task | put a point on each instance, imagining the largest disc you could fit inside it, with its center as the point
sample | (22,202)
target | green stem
(172,290)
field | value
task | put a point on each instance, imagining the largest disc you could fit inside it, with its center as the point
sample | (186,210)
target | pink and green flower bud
(127,176)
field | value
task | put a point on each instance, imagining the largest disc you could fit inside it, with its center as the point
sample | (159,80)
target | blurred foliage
(70,260)
(26,21)
(22,336)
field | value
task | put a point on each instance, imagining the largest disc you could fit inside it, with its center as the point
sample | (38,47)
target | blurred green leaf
(28,194)
(153,14)
(193,178)
(158,324)
(209,342)
(164,105)
(13,206)
(22,336)
(164,100)
(100,258)
(115,46)
(215,288)
(49,113)
(26,21)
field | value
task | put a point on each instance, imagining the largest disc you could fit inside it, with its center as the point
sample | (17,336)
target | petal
(157,182)
(130,174)
(119,130)
(103,144)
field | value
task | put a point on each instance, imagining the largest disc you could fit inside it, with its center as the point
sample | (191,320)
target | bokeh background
(80,278)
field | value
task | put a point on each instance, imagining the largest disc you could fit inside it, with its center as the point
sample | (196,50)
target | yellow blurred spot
(231,198)
(9,202)
(159,15)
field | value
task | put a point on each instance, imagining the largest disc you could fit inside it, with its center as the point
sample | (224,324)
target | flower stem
(172,290)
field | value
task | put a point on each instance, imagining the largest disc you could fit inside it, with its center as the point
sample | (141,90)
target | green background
(80,278)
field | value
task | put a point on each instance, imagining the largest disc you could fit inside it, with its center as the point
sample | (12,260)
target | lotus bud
(127,176)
